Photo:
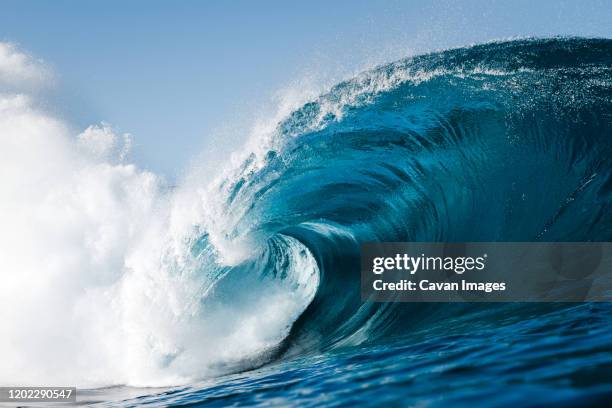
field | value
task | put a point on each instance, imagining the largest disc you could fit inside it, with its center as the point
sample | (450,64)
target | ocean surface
(258,302)
(489,355)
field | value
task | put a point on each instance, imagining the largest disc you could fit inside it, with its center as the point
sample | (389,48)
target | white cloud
(101,142)
(19,70)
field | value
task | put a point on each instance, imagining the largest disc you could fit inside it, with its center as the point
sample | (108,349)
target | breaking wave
(118,279)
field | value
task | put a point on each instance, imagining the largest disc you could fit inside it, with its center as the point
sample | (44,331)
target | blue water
(525,355)
(508,141)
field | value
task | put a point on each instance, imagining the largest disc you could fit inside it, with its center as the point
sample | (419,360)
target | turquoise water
(508,141)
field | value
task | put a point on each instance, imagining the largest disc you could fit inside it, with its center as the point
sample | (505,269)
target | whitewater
(250,276)
(103,281)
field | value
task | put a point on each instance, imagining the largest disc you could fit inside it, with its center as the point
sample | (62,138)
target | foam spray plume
(103,281)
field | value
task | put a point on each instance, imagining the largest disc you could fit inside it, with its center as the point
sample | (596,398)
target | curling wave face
(498,142)
(505,141)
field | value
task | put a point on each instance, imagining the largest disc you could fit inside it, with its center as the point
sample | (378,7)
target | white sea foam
(99,284)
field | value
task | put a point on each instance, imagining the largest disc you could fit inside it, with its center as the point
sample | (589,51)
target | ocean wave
(506,141)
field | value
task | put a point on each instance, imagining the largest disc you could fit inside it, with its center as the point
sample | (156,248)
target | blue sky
(190,76)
